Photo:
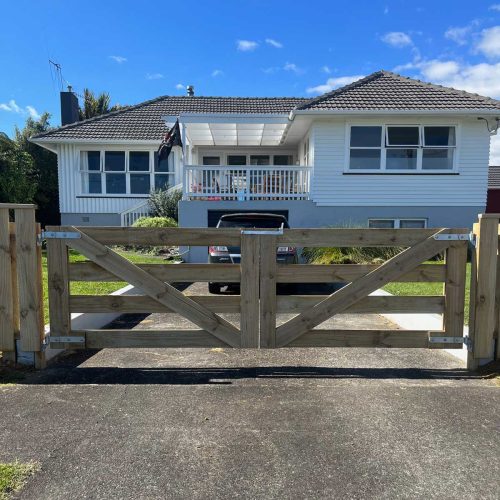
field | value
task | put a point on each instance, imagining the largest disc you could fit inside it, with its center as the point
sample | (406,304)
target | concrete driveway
(290,423)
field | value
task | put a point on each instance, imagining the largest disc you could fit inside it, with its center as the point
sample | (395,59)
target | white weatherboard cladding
(71,199)
(330,187)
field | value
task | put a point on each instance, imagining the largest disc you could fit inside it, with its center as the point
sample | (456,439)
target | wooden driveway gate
(258,304)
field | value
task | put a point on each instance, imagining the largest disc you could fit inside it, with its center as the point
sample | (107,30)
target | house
(493,198)
(384,151)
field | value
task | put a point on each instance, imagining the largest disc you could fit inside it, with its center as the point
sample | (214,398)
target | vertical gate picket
(454,289)
(250,272)
(58,274)
(268,269)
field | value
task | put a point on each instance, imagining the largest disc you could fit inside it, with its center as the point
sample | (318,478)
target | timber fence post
(485,284)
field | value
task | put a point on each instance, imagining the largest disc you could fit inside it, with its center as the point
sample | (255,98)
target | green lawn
(13,476)
(429,289)
(94,288)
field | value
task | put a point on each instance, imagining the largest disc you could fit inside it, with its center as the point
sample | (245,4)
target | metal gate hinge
(64,235)
(451,237)
(66,340)
(466,340)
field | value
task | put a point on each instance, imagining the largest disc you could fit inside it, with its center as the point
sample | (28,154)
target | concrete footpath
(291,423)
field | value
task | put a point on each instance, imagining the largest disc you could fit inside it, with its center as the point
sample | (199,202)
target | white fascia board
(374,112)
(226,118)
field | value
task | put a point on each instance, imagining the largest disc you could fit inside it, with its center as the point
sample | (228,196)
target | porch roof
(232,130)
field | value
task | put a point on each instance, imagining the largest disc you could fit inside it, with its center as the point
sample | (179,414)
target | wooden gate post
(29,280)
(249,289)
(484,320)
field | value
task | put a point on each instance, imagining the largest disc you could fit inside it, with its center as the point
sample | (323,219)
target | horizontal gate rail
(333,237)
(231,304)
(162,236)
(300,273)
(90,271)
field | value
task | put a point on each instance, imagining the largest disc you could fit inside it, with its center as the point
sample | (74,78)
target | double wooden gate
(260,308)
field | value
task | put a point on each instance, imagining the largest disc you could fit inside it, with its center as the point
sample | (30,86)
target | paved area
(290,423)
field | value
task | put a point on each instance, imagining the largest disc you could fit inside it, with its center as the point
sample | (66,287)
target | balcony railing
(243,183)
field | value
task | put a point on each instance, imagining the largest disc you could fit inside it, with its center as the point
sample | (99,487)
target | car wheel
(214,288)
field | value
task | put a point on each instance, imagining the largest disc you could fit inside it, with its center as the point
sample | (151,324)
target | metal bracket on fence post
(467,341)
(451,237)
(64,235)
(273,232)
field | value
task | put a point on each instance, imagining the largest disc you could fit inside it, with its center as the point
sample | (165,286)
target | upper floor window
(124,172)
(403,148)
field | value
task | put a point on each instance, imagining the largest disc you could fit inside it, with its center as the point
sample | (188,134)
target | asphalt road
(290,423)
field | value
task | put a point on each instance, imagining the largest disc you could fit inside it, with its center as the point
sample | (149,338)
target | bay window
(402,148)
(113,172)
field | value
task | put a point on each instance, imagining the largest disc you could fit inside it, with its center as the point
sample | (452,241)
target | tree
(45,167)
(95,105)
(18,180)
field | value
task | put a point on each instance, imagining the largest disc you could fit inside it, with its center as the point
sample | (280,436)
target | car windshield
(260,223)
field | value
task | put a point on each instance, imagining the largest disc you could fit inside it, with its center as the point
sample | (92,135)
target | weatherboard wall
(333,186)
(71,198)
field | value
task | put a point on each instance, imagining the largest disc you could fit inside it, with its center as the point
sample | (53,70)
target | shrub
(350,255)
(155,222)
(165,203)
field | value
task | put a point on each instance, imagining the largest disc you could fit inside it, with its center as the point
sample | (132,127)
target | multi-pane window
(402,147)
(125,172)
(397,223)
(242,159)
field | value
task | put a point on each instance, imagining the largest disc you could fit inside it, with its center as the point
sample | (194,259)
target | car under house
(386,151)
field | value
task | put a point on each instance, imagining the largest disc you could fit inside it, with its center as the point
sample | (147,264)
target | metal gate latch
(451,237)
(63,235)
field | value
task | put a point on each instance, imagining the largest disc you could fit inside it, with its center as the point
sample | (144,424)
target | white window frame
(397,221)
(84,173)
(383,149)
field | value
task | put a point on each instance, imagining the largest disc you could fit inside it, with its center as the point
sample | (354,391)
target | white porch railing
(129,216)
(246,182)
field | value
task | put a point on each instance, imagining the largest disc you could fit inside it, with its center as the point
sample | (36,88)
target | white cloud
(217,72)
(13,107)
(326,69)
(397,39)
(118,59)
(458,35)
(333,83)
(489,44)
(274,43)
(246,45)
(293,68)
(33,112)
(154,76)
(495,6)
(270,70)
(180,86)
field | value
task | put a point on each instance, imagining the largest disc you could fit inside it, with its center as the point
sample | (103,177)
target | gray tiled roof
(384,90)
(494,177)
(144,121)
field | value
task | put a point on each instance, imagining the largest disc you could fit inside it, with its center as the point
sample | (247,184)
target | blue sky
(139,50)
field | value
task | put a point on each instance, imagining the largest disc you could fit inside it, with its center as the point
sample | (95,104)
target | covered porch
(243,158)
